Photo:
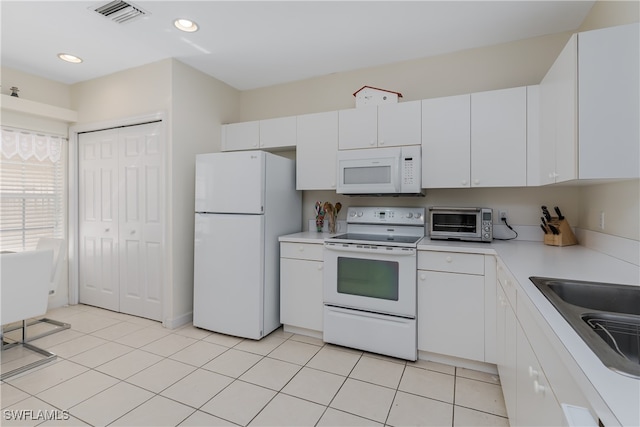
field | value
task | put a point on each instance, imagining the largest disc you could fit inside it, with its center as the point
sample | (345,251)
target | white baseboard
(618,247)
(489,368)
(176,322)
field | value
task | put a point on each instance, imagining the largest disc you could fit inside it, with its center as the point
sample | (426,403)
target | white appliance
(378,171)
(369,284)
(244,201)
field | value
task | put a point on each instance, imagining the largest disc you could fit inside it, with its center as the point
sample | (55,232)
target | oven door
(372,278)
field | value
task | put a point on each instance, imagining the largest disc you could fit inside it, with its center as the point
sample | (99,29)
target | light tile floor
(120,370)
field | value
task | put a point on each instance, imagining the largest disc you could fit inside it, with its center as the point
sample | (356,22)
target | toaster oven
(466,224)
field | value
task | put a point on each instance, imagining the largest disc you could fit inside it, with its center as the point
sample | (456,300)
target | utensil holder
(565,236)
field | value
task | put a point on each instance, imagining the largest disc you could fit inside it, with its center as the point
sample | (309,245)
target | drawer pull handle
(301,248)
(448,259)
(423,276)
(533,372)
(320,268)
(539,388)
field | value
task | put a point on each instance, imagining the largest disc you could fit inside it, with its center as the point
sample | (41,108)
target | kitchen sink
(605,315)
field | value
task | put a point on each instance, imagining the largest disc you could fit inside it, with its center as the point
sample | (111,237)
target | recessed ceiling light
(186,25)
(69,58)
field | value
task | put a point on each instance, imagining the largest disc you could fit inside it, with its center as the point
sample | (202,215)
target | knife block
(564,238)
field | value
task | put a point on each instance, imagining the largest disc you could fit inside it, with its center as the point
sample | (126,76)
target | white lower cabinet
(301,266)
(529,395)
(451,304)
(536,404)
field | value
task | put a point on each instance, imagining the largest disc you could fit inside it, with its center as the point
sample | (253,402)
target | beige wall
(199,104)
(506,65)
(35,88)
(129,93)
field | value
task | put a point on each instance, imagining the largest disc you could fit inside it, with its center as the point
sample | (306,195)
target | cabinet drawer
(310,251)
(451,262)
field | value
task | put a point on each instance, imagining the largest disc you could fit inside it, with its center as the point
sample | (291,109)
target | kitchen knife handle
(560,216)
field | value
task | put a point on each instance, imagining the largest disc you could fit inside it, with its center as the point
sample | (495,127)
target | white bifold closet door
(121,219)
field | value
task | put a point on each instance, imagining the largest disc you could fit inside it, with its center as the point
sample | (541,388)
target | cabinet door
(566,113)
(241,136)
(609,103)
(316,151)
(358,128)
(301,293)
(558,118)
(278,133)
(499,138)
(446,142)
(399,124)
(536,404)
(509,371)
(451,314)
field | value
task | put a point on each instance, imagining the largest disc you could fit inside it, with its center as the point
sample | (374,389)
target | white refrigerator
(244,201)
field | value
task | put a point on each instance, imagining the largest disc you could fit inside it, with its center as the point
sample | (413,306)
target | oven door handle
(380,250)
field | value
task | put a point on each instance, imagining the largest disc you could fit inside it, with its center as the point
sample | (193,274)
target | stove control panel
(381,215)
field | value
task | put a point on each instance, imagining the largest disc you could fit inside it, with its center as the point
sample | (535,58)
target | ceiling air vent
(120,11)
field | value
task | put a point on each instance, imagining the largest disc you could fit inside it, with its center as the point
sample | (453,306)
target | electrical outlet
(502,215)
(601,220)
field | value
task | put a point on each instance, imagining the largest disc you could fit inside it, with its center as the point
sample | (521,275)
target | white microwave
(380,171)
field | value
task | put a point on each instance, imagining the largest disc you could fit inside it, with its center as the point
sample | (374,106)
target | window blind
(32,183)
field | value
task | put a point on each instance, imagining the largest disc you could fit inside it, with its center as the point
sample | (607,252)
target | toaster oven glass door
(456,222)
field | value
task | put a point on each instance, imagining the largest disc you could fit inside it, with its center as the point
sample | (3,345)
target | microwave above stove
(389,171)
(465,224)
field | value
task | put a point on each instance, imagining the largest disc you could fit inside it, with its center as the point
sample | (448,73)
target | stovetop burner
(393,226)
(376,238)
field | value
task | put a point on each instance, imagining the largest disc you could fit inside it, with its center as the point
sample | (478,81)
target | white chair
(24,286)
(59,257)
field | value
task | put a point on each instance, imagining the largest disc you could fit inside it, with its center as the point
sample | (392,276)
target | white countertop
(525,259)
(305,237)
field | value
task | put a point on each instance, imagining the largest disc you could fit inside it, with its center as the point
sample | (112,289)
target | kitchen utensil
(544,229)
(544,221)
(557,209)
(546,213)
(319,216)
(553,229)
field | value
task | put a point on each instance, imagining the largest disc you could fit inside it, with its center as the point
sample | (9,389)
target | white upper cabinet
(558,118)
(358,128)
(388,125)
(399,124)
(241,136)
(274,134)
(499,138)
(278,133)
(316,151)
(477,140)
(609,105)
(446,142)
(589,108)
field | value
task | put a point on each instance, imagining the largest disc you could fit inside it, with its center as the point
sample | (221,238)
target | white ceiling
(252,44)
